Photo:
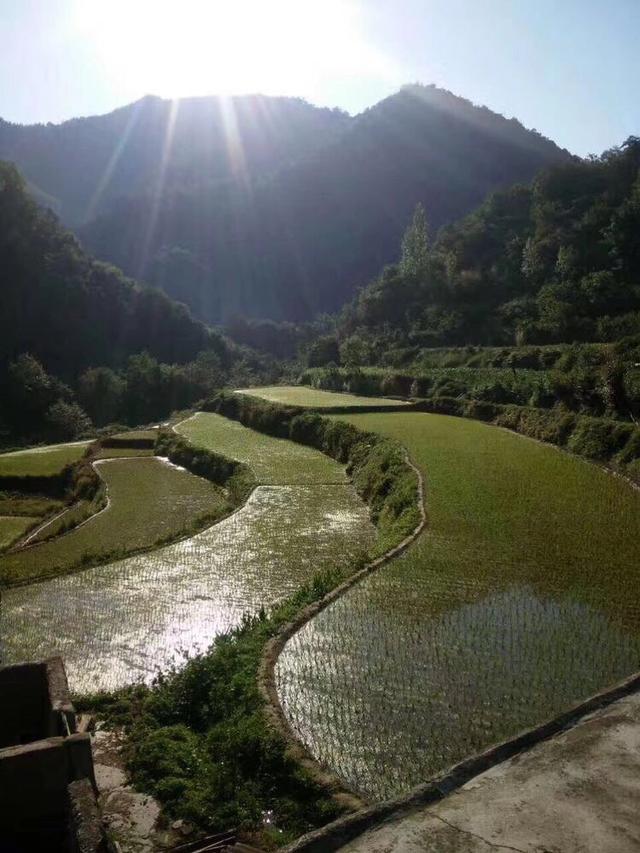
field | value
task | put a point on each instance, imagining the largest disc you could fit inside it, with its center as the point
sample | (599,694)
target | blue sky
(570,68)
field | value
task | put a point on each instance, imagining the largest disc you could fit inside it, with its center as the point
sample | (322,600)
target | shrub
(599,438)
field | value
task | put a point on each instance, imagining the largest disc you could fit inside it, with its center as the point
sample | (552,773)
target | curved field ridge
(149,500)
(520,599)
(302,395)
(123,622)
(274,461)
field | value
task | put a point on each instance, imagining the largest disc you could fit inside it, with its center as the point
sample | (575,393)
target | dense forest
(80,342)
(557,261)
(269,207)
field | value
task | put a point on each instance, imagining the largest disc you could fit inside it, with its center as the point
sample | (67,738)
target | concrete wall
(33,780)
(34,702)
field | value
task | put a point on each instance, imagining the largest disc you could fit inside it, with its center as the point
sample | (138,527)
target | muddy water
(122,622)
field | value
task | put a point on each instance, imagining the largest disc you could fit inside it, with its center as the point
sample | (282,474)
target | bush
(599,438)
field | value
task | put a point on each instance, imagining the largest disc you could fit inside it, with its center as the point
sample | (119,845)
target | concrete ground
(576,793)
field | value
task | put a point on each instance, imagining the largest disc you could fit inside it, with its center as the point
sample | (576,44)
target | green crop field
(41,461)
(520,598)
(301,395)
(149,501)
(273,460)
(122,452)
(12,527)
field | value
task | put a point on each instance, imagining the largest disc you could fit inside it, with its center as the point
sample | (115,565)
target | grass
(121,452)
(150,502)
(519,599)
(274,460)
(136,435)
(36,506)
(13,527)
(41,461)
(301,395)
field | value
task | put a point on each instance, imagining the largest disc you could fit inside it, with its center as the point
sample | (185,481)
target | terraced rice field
(41,461)
(301,395)
(149,500)
(520,598)
(124,621)
(274,461)
(13,526)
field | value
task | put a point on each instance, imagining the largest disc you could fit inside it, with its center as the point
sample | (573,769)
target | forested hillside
(79,167)
(269,207)
(557,261)
(73,328)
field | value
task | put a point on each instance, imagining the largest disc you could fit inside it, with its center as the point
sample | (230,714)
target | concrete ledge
(335,835)
(86,835)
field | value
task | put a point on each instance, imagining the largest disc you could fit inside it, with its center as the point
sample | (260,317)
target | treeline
(81,346)
(71,311)
(558,261)
(37,406)
(596,379)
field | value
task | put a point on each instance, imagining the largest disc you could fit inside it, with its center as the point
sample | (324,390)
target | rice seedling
(273,460)
(123,622)
(519,599)
(41,461)
(150,501)
(12,527)
(301,395)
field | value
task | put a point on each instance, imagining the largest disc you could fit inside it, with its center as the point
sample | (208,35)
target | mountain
(557,261)
(269,207)
(83,164)
(71,311)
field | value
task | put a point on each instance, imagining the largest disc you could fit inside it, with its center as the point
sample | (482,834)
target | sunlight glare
(198,47)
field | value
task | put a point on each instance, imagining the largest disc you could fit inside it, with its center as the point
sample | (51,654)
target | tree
(101,391)
(415,254)
(67,421)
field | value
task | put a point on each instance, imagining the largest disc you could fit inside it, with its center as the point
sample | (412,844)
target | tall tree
(414,258)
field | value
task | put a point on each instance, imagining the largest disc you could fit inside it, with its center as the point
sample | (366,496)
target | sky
(569,68)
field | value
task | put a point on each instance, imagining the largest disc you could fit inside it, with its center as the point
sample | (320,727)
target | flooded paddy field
(122,622)
(149,500)
(520,598)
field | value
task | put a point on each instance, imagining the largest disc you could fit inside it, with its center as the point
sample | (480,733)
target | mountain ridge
(276,208)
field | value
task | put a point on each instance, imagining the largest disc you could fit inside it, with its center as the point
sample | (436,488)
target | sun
(176,48)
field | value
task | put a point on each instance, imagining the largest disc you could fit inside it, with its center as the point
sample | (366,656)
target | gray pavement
(578,792)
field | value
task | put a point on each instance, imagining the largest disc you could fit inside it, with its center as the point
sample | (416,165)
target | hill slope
(557,261)
(71,311)
(269,207)
(83,164)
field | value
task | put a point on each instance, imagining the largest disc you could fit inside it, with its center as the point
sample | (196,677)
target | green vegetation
(554,262)
(12,527)
(198,739)
(41,461)
(36,506)
(149,502)
(514,603)
(334,187)
(271,459)
(297,396)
